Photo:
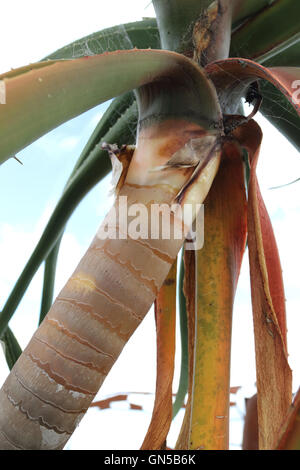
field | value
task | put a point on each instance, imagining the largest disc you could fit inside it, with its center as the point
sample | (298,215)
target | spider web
(110,40)
(107,40)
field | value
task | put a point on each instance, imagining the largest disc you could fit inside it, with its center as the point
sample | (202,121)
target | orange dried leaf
(274,378)
(165,315)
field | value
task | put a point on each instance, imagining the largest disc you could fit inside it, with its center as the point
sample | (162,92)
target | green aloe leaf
(183,321)
(92,170)
(176,18)
(42,96)
(248,8)
(289,57)
(267,32)
(140,34)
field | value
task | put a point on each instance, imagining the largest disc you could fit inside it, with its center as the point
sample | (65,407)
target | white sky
(29,31)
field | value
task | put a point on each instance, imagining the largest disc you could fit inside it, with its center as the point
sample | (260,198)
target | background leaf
(257,38)
(90,173)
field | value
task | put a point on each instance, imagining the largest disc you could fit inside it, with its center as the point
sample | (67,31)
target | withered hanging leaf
(165,315)
(274,377)
(120,160)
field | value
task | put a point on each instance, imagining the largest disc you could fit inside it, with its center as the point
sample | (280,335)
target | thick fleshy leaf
(218,266)
(175,22)
(232,78)
(165,315)
(274,378)
(176,19)
(42,96)
(212,32)
(290,431)
(267,32)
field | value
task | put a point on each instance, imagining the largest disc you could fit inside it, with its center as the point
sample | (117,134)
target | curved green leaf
(176,19)
(42,96)
(91,171)
(267,32)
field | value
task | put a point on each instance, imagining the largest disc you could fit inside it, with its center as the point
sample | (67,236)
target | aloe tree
(194,143)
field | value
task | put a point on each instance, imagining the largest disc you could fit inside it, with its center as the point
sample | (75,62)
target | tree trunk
(54,381)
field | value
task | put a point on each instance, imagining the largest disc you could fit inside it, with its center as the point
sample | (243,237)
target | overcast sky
(29,31)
